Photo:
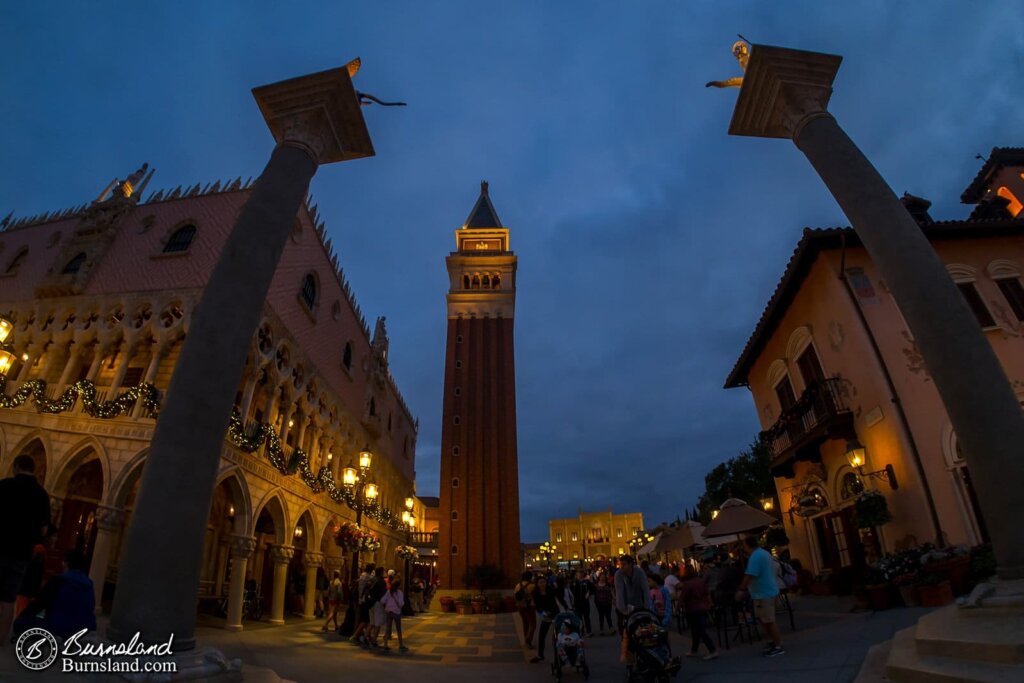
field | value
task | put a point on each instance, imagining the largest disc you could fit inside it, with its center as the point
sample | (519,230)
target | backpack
(366,597)
(789,576)
(335,591)
(521,596)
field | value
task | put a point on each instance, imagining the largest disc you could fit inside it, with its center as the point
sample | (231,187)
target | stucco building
(832,365)
(105,293)
(594,536)
(479,506)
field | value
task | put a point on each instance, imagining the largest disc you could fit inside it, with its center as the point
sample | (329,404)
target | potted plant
(447,604)
(463,604)
(879,590)
(907,586)
(953,562)
(934,591)
(478,603)
(871,509)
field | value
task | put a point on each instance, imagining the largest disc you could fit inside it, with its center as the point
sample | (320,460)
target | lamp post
(363,497)
(409,520)
(546,551)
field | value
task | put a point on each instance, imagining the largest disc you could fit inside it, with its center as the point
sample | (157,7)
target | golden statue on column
(741,51)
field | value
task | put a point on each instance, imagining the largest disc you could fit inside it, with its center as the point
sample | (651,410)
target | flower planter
(460,608)
(448,605)
(477,607)
(880,596)
(956,569)
(910,595)
(935,595)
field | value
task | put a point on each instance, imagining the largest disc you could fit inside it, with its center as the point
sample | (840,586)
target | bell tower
(479,507)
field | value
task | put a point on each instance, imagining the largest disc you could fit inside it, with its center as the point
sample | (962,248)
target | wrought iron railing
(424,539)
(821,402)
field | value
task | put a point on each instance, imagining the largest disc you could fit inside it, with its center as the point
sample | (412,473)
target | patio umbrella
(736,517)
(687,535)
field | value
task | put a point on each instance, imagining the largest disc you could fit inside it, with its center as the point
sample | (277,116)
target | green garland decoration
(84,391)
(298,463)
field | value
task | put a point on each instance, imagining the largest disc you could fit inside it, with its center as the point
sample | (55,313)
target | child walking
(393,601)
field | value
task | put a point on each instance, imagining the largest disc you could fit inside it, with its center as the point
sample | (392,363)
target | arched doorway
(35,450)
(270,531)
(82,489)
(227,513)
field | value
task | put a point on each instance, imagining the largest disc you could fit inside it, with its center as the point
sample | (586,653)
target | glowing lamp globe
(6,361)
(6,326)
(371,492)
(348,476)
(365,458)
(855,453)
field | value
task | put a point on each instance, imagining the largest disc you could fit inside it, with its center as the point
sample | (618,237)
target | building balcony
(424,539)
(820,414)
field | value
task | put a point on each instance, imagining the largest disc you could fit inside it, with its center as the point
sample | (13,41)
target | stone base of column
(981,638)
(234,627)
(276,622)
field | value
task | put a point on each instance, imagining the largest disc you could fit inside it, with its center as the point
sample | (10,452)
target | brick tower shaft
(479,501)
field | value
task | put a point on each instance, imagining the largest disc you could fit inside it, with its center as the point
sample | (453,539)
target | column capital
(318,113)
(108,518)
(282,554)
(242,546)
(334,563)
(312,560)
(782,90)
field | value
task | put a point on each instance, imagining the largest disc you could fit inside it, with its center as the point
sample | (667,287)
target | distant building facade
(594,536)
(832,366)
(479,506)
(105,293)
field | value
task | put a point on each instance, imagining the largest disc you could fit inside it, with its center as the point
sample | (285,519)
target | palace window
(465,282)
(17,261)
(74,265)
(574,536)
(455,550)
(458,391)
(810,366)
(455,515)
(458,339)
(458,365)
(456,420)
(636,531)
(784,392)
(346,356)
(558,537)
(1014,294)
(496,282)
(308,292)
(618,533)
(180,239)
(977,304)
(455,450)
(455,482)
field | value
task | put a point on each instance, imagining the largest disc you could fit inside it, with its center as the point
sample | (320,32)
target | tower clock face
(478,244)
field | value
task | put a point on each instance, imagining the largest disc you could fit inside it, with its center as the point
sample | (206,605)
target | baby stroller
(573,655)
(647,645)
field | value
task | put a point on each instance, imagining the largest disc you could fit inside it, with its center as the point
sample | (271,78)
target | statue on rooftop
(741,51)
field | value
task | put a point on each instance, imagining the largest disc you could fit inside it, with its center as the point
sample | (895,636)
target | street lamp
(767,503)
(6,352)
(409,520)
(856,455)
(362,496)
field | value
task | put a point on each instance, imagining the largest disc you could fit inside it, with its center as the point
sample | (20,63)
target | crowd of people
(377,599)
(747,579)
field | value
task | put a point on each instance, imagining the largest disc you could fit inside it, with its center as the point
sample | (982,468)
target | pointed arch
(234,478)
(274,503)
(307,520)
(44,440)
(123,483)
(325,535)
(87,449)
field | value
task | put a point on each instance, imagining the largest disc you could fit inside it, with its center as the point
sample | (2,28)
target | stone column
(154,367)
(283,554)
(241,551)
(303,420)
(785,94)
(108,524)
(315,119)
(220,567)
(247,394)
(69,369)
(99,351)
(287,411)
(312,561)
(270,404)
(26,363)
(122,369)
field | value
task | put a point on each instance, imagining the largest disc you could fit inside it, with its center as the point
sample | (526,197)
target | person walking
(759,582)
(377,589)
(359,596)
(604,600)
(334,591)
(696,601)
(25,511)
(547,607)
(580,589)
(631,591)
(524,603)
(392,602)
(416,595)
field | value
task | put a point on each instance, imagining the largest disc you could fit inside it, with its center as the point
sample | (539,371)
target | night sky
(649,240)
